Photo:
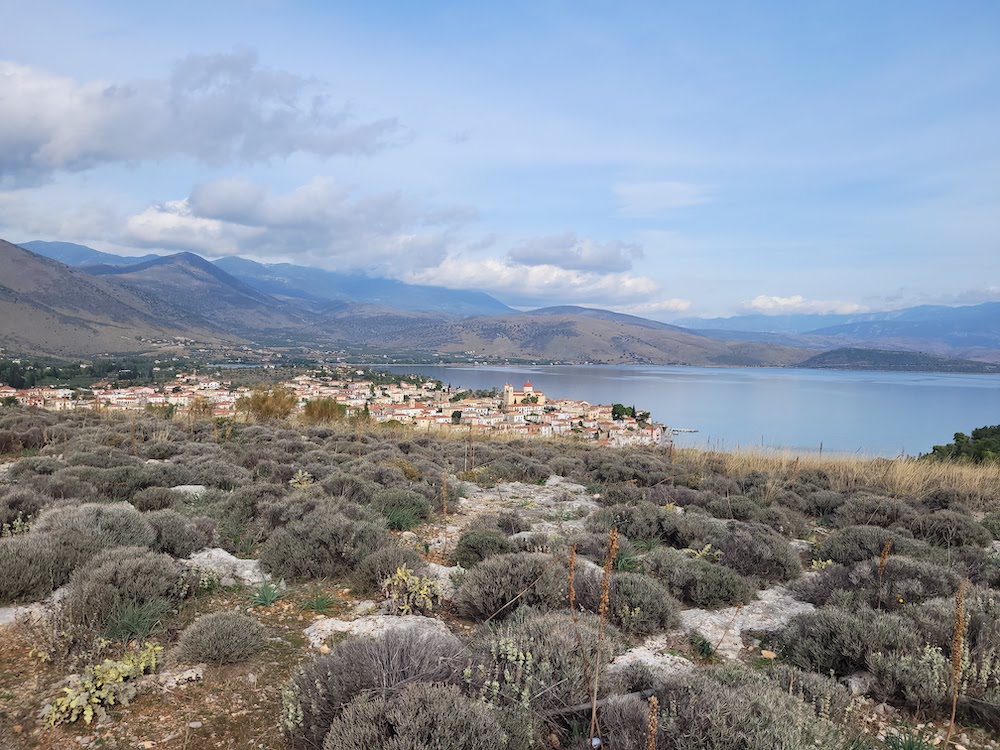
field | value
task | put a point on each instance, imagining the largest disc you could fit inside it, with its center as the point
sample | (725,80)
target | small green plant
(705,553)
(130,621)
(107,684)
(319,603)
(627,561)
(820,564)
(266,594)
(701,646)
(407,593)
(15,527)
(301,479)
(908,742)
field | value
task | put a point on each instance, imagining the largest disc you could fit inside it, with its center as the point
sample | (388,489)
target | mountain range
(971,331)
(66,299)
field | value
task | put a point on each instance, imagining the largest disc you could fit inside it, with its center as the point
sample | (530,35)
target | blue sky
(658,158)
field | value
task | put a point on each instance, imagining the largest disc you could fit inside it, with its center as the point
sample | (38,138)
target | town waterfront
(871,413)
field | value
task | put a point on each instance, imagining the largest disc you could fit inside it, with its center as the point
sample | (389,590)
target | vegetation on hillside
(983,446)
(534,643)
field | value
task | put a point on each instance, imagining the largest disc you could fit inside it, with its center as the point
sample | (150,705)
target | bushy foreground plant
(697,581)
(222,638)
(424,716)
(500,584)
(476,545)
(322,688)
(111,683)
(325,543)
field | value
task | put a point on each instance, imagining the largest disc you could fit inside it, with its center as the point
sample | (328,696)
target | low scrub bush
(856,543)
(541,660)
(500,584)
(407,593)
(947,528)
(639,605)
(114,580)
(403,509)
(759,552)
(902,581)
(320,689)
(155,498)
(423,716)
(175,534)
(369,574)
(698,582)
(325,543)
(474,546)
(726,707)
(873,510)
(991,522)
(20,504)
(829,698)
(839,641)
(221,638)
(33,565)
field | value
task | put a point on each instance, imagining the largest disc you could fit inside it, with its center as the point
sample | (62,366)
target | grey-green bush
(840,641)
(947,528)
(369,574)
(758,551)
(175,534)
(475,545)
(325,543)
(904,581)
(402,508)
(423,716)
(696,581)
(873,510)
(222,638)
(320,689)
(500,584)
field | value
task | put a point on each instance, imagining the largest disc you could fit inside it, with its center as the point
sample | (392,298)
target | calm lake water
(872,413)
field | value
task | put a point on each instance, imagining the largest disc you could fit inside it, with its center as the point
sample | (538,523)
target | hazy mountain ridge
(50,308)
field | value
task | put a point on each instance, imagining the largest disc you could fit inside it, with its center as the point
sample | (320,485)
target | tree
(620,411)
(324,410)
(456,417)
(268,405)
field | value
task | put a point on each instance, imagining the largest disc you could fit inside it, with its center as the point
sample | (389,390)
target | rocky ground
(207,706)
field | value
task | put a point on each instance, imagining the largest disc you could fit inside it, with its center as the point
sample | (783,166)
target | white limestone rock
(230,569)
(653,653)
(370,626)
(724,628)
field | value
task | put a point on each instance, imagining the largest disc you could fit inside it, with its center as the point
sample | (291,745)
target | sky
(660,158)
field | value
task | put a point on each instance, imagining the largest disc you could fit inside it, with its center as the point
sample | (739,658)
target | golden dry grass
(979,484)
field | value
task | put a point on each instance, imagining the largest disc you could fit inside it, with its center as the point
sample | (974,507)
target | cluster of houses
(426,405)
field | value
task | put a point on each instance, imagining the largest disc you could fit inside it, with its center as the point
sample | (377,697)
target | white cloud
(571,252)
(650,199)
(658,307)
(536,284)
(319,223)
(214,108)
(796,303)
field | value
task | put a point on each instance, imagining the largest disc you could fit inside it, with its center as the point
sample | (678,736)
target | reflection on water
(876,413)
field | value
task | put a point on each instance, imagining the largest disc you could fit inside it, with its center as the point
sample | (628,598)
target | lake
(871,413)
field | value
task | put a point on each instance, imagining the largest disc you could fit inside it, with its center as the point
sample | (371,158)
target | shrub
(407,593)
(823,503)
(542,660)
(115,579)
(349,488)
(640,605)
(320,689)
(420,716)
(222,638)
(33,565)
(903,581)
(991,521)
(61,540)
(325,543)
(369,574)
(758,551)
(857,543)
(175,534)
(20,504)
(500,584)
(154,498)
(828,698)
(840,641)
(698,582)
(728,707)
(946,528)
(475,546)
(639,521)
(873,510)
(403,509)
